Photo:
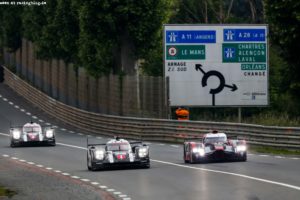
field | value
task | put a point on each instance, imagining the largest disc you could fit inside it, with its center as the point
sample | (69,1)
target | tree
(11,29)
(114,34)
(219,11)
(284,20)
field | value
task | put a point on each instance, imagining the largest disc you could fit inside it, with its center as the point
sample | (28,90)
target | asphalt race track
(261,177)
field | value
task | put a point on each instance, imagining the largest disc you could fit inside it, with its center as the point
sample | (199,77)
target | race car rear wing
(89,145)
(103,144)
(193,139)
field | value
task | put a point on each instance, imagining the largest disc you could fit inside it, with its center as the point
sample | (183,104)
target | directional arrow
(199,67)
(233,87)
(214,91)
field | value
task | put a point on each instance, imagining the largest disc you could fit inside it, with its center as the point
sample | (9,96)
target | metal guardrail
(151,129)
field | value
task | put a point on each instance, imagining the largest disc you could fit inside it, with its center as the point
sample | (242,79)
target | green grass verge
(6,192)
(271,150)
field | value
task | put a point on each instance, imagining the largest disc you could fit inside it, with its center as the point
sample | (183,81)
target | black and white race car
(32,133)
(214,147)
(117,152)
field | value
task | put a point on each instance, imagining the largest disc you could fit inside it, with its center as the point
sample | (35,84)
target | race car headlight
(49,133)
(199,150)
(99,154)
(241,148)
(16,134)
(143,152)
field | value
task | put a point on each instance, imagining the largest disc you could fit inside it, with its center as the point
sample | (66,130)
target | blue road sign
(203,36)
(240,35)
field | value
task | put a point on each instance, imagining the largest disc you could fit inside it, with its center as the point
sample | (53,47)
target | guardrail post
(1,74)
(240,115)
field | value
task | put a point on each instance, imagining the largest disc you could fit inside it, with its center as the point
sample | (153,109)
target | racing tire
(191,159)
(146,166)
(53,144)
(90,165)
(244,158)
(12,144)
(184,155)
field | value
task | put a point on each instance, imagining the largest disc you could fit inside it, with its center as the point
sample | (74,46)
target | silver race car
(117,152)
(31,133)
(214,147)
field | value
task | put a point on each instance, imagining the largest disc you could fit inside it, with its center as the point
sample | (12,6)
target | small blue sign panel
(229,53)
(190,36)
(241,35)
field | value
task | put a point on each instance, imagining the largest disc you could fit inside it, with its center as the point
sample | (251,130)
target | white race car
(117,152)
(32,133)
(214,147)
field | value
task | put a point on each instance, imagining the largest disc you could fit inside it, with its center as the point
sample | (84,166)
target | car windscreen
(214,139)
(31,129)
(118,147)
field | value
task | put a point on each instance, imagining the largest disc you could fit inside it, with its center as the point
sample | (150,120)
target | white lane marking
(279,157)
(161,144)
(14,158)
(209,170)
(73,146)
(80,134)
(34,117)
(71,132)
(122,195)
(63,129)
(89,135)
(201,169)
(127,198)
(295,158)
(4,99)
(17,107)
(54,126)
(74,177)
(263,155)
(233,174)
(22,110)
(11,103)
(0,95)
(40,120)
(48,124)
(28,113)
(176,146)
(99,137)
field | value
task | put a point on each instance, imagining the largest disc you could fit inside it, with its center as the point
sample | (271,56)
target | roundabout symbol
(214,91)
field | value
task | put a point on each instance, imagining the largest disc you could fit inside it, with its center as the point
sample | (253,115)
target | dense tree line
(96,34)
(100,34)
